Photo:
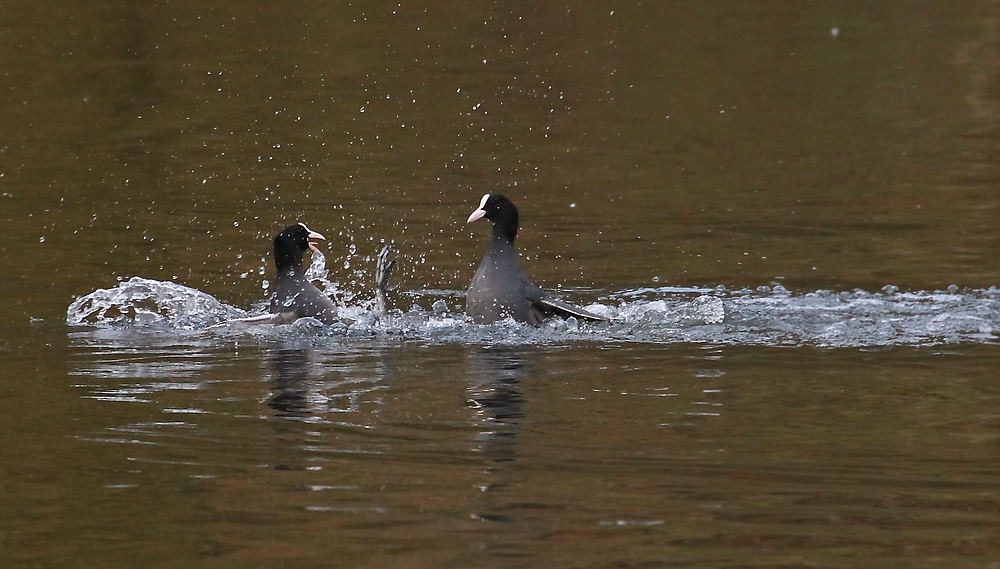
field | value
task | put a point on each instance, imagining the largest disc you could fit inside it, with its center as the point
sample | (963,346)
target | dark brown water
(718,178)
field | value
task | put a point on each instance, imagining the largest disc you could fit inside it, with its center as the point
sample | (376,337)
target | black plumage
(294,296)
(500,287)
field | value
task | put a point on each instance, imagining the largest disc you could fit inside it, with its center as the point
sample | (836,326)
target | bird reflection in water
(495,396)
(291,368)
(302,389)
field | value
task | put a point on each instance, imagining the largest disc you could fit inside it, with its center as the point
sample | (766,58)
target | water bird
(500,288)
(294,296)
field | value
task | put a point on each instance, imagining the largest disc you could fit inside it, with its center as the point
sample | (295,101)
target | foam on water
(772,317)
(150,303)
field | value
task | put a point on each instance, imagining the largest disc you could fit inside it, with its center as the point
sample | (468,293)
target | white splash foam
(649,315)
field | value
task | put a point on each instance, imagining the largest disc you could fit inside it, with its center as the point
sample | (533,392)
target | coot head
(291,244)
(501,211)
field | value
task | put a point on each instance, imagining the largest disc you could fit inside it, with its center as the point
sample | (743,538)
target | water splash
(770,317)
(150,303)
(317,270)
(318,274)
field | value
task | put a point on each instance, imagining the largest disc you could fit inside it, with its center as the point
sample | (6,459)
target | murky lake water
(789,211)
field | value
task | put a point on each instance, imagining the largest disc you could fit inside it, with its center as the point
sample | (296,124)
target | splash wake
(773,317)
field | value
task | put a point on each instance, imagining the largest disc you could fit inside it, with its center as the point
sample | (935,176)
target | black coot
(295,297)
(500,288)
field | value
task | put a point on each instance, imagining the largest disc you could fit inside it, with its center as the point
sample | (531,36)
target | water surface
(788,210)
